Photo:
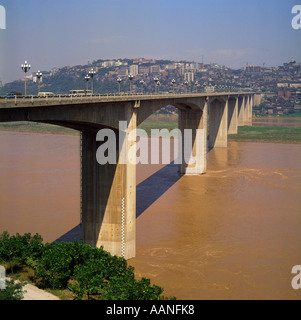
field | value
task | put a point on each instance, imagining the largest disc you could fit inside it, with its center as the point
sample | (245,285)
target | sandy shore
(34,293)
(31,292)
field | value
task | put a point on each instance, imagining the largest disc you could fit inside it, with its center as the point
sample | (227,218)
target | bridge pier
(251,104)
(247,109)
(194,162)
(218,123)
(232,116)
(109,196)
(241,111)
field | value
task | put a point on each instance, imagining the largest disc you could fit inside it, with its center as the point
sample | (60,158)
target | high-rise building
(189,76)
(155,69)
(134,70)
(144,70)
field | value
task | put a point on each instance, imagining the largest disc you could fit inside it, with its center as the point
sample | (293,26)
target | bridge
(108,192)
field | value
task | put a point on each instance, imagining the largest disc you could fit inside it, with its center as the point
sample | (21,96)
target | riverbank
(267,134)
(33,127)
(33,293)
(264,129)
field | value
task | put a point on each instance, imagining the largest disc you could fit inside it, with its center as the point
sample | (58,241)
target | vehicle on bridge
(46,94)
(81,92)
(12,95)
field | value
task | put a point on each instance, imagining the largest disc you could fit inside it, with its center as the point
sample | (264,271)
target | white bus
(46,94)
(81,92)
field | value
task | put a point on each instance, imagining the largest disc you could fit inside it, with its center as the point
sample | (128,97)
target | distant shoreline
(272,134)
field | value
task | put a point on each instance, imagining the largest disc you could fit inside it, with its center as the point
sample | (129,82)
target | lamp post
(196,86)
(87,78)
(142,83)
(156,83)
(39,76)
(25,67)
(131,77)
(92,73)
(172,84)
(186,84)
(119,81)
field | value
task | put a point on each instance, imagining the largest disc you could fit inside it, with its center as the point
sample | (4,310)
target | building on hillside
(134,70)
(189,76)
(155,69)
(144,70)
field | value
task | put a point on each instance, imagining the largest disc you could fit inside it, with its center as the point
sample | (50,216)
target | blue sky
(69,32)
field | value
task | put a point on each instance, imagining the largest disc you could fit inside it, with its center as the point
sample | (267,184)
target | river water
(234,233)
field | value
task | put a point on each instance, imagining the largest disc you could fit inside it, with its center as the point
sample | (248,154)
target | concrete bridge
(108,192)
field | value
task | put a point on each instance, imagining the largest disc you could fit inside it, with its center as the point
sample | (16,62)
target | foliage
(88,272)
(16,250)
(13,291)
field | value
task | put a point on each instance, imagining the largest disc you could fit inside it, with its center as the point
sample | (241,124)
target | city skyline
(54,34)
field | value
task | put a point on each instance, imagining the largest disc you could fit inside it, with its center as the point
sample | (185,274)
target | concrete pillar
(109,196)
(251,110)
(248,111)
(241,107)
(232,115)
(218,123)
(193,123)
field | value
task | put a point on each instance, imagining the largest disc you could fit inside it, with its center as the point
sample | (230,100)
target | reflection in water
(232,233)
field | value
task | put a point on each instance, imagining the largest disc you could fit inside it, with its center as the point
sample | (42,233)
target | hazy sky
(52,33)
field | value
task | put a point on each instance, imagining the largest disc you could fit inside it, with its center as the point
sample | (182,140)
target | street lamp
(186,84)
(142,83)
(92,73)
(25,67)
(196,86)
(87,78)
(172,84)
(158,85)
(39,76)
(156,79)
(131,77)
(119,81)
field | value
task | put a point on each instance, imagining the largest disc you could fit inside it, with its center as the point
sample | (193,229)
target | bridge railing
(66,99)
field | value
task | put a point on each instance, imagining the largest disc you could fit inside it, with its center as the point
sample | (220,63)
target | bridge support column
(109,196)
(247,111)
(232,116)
(195,122)
(251,110)
(241,111)
(218,123)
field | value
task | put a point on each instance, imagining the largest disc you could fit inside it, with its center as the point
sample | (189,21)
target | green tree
(13,291)
(88,279)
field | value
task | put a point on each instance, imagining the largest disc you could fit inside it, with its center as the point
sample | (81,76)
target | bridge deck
(34,101)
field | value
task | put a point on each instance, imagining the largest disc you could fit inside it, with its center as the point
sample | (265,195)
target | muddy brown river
(234,233)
